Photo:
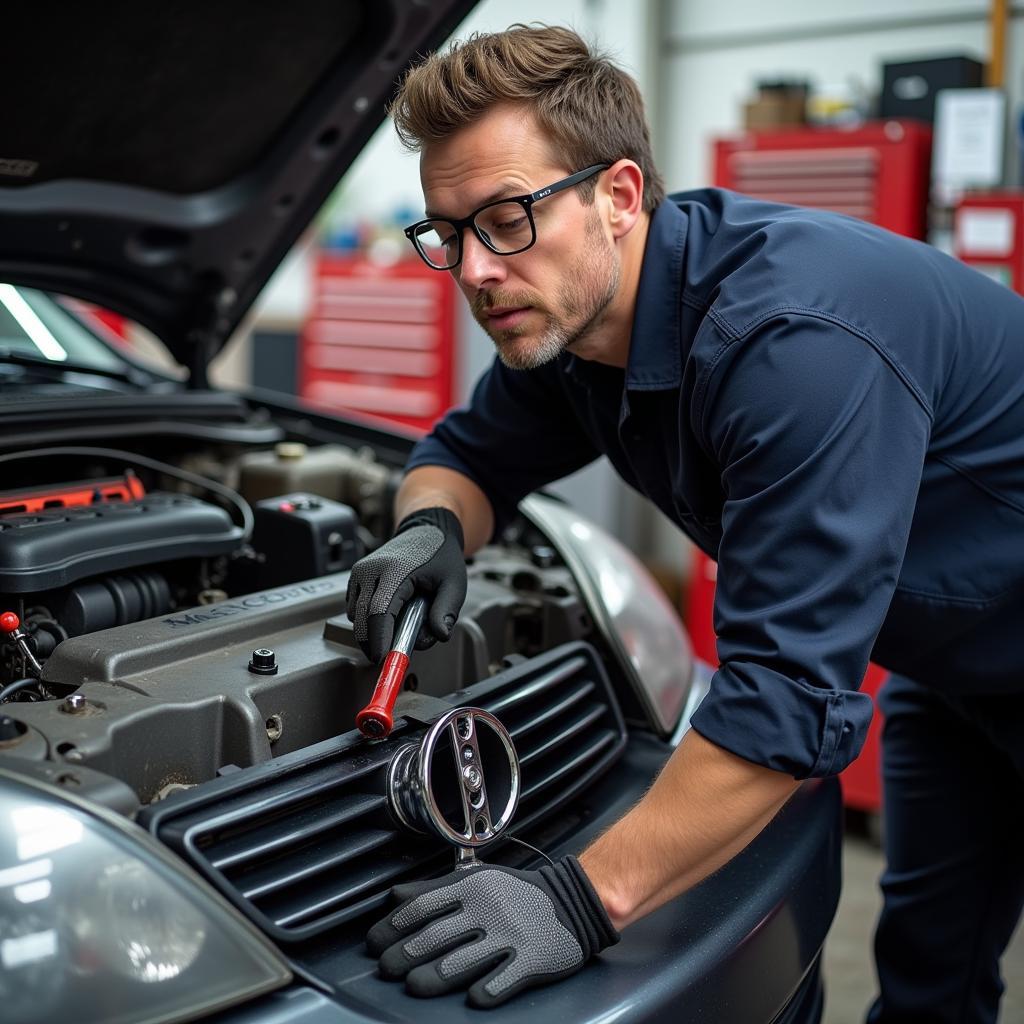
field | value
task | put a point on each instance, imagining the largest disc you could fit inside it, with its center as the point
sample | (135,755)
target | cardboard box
(775,110)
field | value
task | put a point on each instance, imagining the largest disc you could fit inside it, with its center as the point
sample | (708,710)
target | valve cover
(55,547)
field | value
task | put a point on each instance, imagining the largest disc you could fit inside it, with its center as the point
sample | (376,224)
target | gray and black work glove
(425,556)
(492,929)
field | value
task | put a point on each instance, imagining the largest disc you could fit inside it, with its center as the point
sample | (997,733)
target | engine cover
(52,548)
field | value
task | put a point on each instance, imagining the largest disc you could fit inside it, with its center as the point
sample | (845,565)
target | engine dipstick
(11,625)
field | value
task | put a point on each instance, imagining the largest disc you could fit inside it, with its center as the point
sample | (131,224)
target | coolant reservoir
(293,466)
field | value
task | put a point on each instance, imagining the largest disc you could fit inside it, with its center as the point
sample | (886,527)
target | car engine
(169,623)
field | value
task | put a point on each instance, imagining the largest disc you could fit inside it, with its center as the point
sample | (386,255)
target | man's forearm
(430,486)
(705,806)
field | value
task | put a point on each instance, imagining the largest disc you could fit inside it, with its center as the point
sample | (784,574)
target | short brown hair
(591,109)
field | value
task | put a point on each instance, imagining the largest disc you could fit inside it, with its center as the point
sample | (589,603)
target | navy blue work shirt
(833,412)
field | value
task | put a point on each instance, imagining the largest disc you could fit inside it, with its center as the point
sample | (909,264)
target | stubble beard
(588,287)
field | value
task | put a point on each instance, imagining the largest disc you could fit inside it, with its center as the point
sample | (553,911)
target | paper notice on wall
(970,126)
(984,232)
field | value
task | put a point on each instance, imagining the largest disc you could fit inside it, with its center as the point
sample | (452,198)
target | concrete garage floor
(849,971)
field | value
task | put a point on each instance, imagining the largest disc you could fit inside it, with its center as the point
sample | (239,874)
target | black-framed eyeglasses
(505,226)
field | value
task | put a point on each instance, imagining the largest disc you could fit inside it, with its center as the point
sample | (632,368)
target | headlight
(629,608)
(99,925)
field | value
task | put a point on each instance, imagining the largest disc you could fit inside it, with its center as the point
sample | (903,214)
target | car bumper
(740,948)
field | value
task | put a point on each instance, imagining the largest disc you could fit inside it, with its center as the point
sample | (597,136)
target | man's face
(540,302)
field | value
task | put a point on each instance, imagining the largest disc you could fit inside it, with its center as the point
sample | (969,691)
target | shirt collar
(655,345)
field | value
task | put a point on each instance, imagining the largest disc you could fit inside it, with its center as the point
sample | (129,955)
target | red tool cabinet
(380,339)
(880,173)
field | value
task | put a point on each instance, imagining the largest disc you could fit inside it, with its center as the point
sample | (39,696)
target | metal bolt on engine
(75,704)
(264,662)
(543,556)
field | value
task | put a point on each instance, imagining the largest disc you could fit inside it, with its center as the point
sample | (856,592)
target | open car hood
(161,160)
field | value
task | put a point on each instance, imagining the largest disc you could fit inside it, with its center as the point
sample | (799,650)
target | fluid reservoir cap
(290,450)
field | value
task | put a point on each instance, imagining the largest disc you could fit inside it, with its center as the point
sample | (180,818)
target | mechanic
(834,413)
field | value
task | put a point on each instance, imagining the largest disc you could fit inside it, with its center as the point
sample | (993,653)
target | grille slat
(313,822)
(378,881)
(279,798)
(540,719)
(306,844)
(271,878)
(538,686)
(565,768)
(575,728)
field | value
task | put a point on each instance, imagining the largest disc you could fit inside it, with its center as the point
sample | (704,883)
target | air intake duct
(114,601)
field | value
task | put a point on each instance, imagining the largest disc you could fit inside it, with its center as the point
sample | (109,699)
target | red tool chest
(380,339)
(988,234)
(879,173)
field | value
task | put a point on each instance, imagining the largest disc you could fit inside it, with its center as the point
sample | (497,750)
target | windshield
(33,323)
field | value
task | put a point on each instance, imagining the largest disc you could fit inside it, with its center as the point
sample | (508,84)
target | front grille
(565,726)
(306,844)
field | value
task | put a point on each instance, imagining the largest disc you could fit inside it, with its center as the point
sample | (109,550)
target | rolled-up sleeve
(822,444)
(518,433)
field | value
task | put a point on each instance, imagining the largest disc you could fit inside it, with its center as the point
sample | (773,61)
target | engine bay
(171,622)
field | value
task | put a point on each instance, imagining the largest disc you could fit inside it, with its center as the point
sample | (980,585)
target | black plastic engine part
(56,547)
(301,536)
(10,729)
(114,601)
(46,633)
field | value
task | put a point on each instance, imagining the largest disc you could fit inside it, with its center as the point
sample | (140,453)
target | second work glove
(492,929)
(424,556)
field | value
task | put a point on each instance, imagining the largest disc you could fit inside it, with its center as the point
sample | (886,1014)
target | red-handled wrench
(375,720)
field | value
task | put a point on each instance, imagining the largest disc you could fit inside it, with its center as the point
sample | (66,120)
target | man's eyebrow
(502,192)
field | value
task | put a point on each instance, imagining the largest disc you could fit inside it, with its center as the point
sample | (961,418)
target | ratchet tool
(375,720)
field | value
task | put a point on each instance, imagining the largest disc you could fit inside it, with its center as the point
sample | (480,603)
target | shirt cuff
(782,723)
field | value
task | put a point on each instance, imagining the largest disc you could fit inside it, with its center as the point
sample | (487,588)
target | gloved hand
(424,555)
(510,930)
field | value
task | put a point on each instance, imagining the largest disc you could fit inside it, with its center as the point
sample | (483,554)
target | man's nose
(480,267)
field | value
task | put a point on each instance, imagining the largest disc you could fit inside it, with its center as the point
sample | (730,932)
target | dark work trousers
(954,841)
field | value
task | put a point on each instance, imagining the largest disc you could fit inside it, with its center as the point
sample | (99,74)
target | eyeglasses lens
(438,241)
(505,226)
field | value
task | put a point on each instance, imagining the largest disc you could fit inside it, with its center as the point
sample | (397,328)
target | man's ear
(622,189)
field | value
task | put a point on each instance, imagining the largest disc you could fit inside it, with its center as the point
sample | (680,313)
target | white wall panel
(693,19)
(703,93)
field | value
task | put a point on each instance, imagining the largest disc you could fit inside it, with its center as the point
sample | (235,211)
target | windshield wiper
(129,376)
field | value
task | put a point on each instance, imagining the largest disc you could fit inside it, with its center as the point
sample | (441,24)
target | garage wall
(712,53)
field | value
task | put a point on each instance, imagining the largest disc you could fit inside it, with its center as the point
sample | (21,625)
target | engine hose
(16,687)
(154,464)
